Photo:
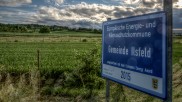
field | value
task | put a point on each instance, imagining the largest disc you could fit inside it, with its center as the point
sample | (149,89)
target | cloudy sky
(79,13)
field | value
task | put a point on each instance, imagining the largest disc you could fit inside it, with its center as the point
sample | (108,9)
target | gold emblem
(155,83)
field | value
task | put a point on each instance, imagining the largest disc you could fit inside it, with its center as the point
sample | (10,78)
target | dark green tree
(45,29)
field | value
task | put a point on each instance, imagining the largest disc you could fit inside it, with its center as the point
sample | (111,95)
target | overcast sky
(80,13)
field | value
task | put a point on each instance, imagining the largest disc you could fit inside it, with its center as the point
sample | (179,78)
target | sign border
(164,54)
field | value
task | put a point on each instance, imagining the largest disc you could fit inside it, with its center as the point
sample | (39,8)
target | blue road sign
(134,52)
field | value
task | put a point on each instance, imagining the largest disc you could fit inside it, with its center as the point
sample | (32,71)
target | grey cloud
(140,11)
(177,18)
(154,3)
(70,23)
(14,3)
(89,13)
(177,22)
(123,12)
(42,11)
(176,5)
(151,3)
(82,23)
(17,16)
(85,12)
(56,3)
(174,1)
(81,15)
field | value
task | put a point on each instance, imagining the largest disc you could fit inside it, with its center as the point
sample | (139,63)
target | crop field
(58,57)
(23,56)
(56,52)
(61,75)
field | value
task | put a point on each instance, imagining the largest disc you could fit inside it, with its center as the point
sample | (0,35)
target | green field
(60,57)
(22,56)
(177,49)
(19,52)
(56,52)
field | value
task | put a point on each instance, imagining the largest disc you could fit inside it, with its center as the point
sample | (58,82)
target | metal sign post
(107,90)
(108,82)
(168,9)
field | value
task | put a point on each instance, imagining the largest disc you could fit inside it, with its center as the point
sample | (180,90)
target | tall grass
(24,89)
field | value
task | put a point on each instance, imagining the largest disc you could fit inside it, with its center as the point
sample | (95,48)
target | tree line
(31,28)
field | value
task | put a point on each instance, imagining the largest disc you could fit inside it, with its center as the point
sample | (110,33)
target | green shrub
(84,40)
(87,75)
(47,90)
(16,41)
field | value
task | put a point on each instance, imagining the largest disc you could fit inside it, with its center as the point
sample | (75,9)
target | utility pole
(168,6)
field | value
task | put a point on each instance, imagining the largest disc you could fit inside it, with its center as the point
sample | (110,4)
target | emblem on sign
(155,83)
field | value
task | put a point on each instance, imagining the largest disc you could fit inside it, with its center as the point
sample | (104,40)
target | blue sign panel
(134,52)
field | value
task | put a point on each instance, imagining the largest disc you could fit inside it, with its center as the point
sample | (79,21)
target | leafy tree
(45,29)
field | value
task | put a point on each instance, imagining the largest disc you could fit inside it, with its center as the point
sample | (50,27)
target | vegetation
(69,69)
(34,28)
(13,28)
(59,58)
(44,30)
